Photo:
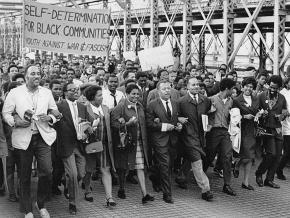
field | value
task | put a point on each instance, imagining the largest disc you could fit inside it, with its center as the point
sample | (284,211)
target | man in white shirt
(69,141)
(285,132)
(111,96)
(32,135)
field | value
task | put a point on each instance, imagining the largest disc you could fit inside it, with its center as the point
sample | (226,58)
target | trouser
(74,167)
(286,154)
(273,146)
(218,140)
(200,177)
(164,158)
(57,167)
(2,187)
(42,153)
(12,160)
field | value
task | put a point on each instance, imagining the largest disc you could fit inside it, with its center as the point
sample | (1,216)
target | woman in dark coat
(100,119)
(129,114)
(248,105)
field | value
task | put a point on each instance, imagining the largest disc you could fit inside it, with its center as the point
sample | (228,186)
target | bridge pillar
(262,55)
(187,30)
(154,23)
(201,54)
(279,34)
(127,26)
(228,31)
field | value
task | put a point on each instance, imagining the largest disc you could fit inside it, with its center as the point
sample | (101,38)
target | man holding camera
(26,111)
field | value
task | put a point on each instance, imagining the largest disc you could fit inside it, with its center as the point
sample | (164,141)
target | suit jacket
(92,117)
(154,110)
(18,100)
(270,120)
(66,133)
(153,94)
(192,132)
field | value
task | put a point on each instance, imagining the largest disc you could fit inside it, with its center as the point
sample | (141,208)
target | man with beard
(274,107)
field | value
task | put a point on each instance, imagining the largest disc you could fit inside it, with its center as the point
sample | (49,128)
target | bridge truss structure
(195,27)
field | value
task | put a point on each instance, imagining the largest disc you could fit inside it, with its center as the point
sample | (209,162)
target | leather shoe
(208,196)
(121,194)
(259,181)
(168,198)
(228,190)
(271,184)
(281,176)
(72,209)
(89,197)
(249,187)
(147,198)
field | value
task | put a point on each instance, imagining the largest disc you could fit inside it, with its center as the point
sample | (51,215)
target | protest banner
(243,74)
(129,55)
(153,58)
(64,29)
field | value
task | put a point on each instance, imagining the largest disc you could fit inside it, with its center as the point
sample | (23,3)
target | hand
(132,121)
(44,117)
(182,120)
(178,127)
(170,127)
(249,116)
(122,120)
(156,120)
(56,114)
(96,123)
(20,123)
(209,127)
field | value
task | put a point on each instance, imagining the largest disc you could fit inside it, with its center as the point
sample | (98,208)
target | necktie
(168,110)
(76,121)
(194,99)
(115,101)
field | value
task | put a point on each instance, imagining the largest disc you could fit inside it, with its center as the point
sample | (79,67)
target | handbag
(126,139)
(94,147)
(95,144)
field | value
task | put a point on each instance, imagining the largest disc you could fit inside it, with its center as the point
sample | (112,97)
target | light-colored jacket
(19,100)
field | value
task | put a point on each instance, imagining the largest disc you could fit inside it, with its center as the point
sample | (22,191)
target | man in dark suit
(191,108)
(162,120)
(69,146)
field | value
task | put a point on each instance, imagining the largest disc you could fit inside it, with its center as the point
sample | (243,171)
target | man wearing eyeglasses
(32,135)
(69,141)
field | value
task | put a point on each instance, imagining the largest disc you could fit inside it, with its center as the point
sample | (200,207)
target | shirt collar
(191,95)
(164,102)
(97,110)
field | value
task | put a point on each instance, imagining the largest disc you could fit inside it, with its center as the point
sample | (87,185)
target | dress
(248,130)
(137,157)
